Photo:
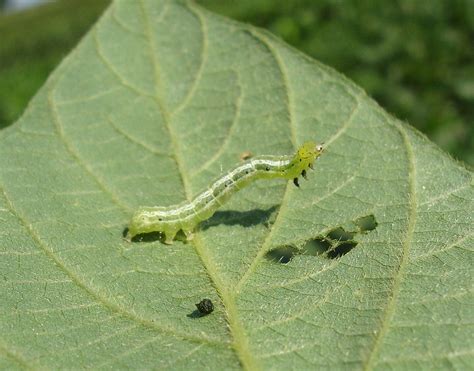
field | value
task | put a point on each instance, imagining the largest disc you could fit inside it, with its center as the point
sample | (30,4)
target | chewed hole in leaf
(316,247)
(366,223)
(282,254)
(339,234)
(341,249)
(328,247)
(334,244)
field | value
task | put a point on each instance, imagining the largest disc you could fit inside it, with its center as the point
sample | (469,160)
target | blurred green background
(415,57)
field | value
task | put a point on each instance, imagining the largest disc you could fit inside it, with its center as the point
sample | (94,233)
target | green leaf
(368,265)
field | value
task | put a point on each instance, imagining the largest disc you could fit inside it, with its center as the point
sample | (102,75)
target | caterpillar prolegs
(185,216)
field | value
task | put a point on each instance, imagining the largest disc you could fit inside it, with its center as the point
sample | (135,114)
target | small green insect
(187,215)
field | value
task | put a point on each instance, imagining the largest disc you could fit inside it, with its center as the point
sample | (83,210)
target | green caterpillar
(187,215)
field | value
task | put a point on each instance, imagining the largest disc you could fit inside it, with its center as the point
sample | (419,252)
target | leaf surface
(156,101)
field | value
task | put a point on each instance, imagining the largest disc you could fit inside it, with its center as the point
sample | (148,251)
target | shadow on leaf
(243,218)
(230,217)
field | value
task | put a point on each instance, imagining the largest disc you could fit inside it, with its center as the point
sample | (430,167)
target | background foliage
(33,42)
(414,57)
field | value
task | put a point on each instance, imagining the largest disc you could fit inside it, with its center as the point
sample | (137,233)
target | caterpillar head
(304,159)
(308,153)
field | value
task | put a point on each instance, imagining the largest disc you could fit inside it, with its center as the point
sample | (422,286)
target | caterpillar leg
(295,181)
(169,237)
(128,235)
(189,235)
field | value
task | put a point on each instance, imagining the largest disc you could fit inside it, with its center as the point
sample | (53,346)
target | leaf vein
(404,258)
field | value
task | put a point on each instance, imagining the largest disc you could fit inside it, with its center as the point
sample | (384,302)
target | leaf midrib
(240,340)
